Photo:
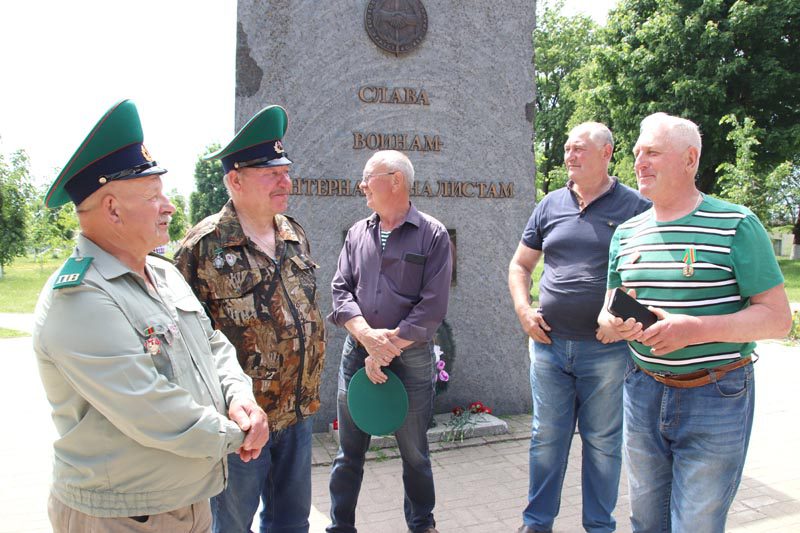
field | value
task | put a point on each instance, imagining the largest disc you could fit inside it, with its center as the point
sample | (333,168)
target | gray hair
(598,132)
(680,132)
(226,182)
(395,162)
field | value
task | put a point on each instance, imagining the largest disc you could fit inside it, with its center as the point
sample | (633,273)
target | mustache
(166,219)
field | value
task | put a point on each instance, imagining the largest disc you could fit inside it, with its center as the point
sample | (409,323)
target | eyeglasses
(366,178)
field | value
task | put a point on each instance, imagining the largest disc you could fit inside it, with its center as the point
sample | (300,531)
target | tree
(700,59)
(562,45)
(772,194)
(210,195)
(51,229)
(179,223)
(15,191)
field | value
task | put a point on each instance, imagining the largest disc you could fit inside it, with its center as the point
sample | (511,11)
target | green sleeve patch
(72,272)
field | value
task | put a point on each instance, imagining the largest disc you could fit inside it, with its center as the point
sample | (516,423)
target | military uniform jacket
(139,384)
(267,308)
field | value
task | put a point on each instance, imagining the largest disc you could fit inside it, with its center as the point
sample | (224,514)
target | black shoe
(528,529)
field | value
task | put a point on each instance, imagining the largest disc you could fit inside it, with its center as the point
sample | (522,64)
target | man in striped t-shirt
(707,270)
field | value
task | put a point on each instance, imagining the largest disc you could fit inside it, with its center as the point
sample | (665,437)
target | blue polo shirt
(575,244)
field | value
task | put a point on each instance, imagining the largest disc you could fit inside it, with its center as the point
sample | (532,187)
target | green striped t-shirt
(731,260)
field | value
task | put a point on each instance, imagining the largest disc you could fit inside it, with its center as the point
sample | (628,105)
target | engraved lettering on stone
(393,95)
(397,141)
(421,188)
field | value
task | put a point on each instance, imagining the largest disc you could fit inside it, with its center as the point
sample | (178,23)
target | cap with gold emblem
(258,143)
(113,150)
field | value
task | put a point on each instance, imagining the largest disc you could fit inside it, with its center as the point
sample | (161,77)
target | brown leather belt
(698,378)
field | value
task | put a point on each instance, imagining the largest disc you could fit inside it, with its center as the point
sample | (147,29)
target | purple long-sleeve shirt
(406,285)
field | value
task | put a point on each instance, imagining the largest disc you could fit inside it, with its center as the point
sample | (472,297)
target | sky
(65,63)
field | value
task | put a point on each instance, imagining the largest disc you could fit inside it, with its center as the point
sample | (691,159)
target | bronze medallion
(397,26)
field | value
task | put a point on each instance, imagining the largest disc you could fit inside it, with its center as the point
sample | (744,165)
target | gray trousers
(195,518)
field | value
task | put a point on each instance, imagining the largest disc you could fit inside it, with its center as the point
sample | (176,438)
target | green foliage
(179,222)
(210,195)
(562,45)
(51,230)
(15,192)
(703,60)
(794,332)
(773,196)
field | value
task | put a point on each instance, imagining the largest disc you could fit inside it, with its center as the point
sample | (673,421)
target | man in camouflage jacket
(251,267)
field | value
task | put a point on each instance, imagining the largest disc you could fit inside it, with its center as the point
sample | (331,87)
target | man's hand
(671,332)
(400,342)
(629,330)
(613,328)
(534,324)
(379,344)
(374,372)
(253,421)
(607,334)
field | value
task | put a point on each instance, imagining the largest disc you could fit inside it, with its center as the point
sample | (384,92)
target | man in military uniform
(251,266)
(138,380)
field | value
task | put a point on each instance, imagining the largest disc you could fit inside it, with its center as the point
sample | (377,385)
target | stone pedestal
(457,100)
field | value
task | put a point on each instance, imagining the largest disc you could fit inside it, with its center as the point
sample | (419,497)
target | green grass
(6,333)
(791,274)
(22,281)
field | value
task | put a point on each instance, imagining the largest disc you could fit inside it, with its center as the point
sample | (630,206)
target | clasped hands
(382,345)
(253,421)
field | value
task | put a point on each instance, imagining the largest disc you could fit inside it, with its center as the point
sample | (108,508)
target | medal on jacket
(688,259)
(152,345)
(230,259)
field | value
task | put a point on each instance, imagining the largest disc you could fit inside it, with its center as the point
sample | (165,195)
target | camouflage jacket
(270,314)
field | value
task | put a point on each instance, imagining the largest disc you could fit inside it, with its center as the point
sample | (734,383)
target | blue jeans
(575,380)
(280,477)
(685,450)
(415,368)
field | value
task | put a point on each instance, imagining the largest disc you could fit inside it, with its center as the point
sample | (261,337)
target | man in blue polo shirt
(576,368)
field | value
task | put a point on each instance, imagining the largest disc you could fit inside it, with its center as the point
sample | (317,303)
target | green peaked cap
(269,124)
(377,409)
(114,144)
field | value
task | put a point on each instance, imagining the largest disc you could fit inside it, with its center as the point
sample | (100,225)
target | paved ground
(481,484)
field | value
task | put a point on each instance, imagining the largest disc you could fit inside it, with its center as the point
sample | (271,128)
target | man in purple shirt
(390,291)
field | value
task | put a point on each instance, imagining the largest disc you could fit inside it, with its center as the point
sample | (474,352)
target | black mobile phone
(625,307)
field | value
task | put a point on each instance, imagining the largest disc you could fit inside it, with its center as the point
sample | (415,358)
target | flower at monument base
(444,352)
(462,421)
(441,373)
(336,424)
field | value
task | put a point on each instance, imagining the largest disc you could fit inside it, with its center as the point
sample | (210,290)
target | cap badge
(146,154)
(279,147)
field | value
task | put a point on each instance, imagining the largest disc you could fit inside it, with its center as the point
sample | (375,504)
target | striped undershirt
(384,237)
